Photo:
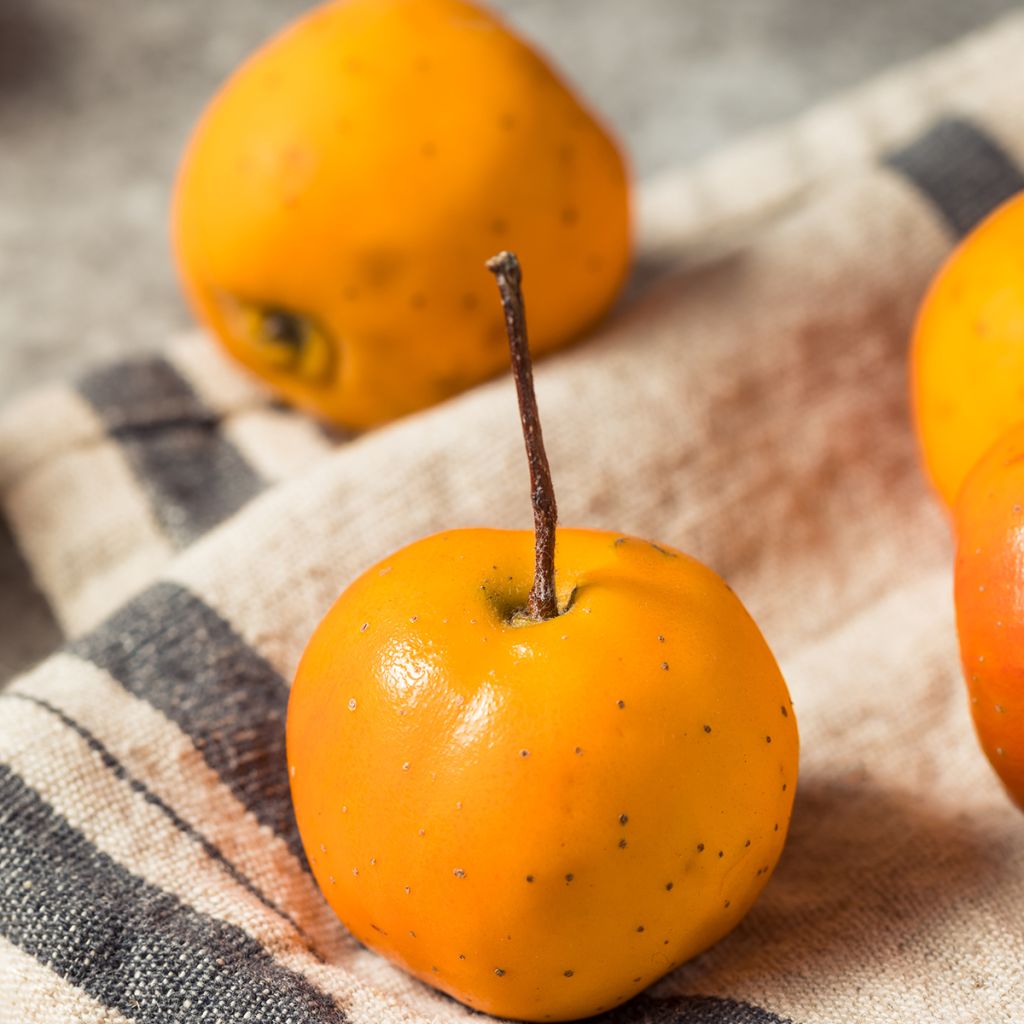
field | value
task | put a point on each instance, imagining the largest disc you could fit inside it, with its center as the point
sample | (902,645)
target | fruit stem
(542,603)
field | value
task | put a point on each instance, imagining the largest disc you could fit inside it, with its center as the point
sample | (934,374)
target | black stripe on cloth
(193,476)
(176,653)
(28,627)
(128,944)
(960,169)
(689,1010)
(118,770)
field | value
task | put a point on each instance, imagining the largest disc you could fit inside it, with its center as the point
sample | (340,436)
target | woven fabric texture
(746,403)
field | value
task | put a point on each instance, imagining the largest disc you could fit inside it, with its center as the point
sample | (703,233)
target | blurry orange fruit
(968,349)
(340,194)
(989,592)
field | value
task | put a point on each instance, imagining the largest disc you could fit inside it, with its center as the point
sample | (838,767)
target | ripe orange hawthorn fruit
(340,192)
(989,594)
(967,355)
(540,798)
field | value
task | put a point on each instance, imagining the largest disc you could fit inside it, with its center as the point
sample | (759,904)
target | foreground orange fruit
(340,194)
(968,349)
(540,799)
(989,592)
(540,818)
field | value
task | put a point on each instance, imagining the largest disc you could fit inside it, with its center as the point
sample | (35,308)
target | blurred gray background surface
(97,100)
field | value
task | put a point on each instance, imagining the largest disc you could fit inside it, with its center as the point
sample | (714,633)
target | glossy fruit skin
(989,594)
(354,175)
(540,819)
(967,363)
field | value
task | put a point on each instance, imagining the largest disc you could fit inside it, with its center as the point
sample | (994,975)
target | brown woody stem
(542,603)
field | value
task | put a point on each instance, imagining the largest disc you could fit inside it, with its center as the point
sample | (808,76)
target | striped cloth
(747,403)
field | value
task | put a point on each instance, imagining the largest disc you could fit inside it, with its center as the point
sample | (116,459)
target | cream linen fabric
(746,403)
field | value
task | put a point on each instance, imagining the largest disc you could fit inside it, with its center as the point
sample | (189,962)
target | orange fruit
(540,817)
(967,363)
(989,593)
(340,193)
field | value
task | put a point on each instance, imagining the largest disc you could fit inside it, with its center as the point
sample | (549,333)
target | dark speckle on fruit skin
(623,818)
(700,847)
(499,971)
(707,728)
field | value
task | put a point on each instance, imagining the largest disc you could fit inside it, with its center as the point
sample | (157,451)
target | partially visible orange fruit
(967,362)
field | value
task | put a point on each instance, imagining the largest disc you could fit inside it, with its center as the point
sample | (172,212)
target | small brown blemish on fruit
(620,704)
(462,956)
(623,819)
(579,750)
(351,703)
(776,829)
(529,878)
(669,886)
(707,728)
(618,541)
(377,928)
(727,904)
(459,873)
(405,766)
(568,879)
(661,639)
(413,618)
(767,739)
(1000,709)
(422,832)
(570,216)
(623,844)
(499,971)
(355,872)
(784,787)
(364,627)
(785,713)
(664,666)
(407,890)
(700,847)
(639,927)
(524,753)
(412,935)
(721,853)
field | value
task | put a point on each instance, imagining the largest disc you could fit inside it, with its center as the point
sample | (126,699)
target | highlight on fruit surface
(967,355)
(340,193)
(538,770)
